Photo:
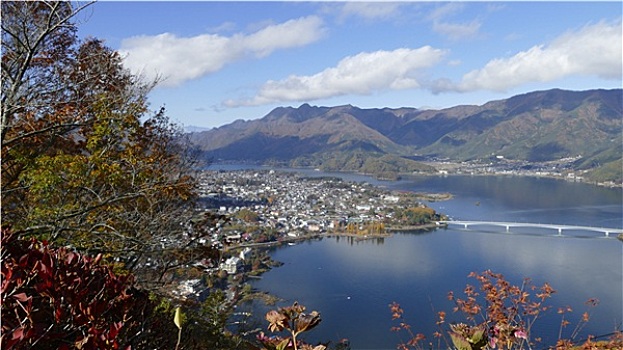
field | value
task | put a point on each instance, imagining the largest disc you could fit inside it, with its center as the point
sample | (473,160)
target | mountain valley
(535,127)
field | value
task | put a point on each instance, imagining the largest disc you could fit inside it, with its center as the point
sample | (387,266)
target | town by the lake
(268,207)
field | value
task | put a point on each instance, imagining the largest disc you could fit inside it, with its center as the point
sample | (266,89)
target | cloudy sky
(222,61)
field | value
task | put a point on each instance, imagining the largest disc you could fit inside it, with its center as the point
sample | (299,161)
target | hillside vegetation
(536,127)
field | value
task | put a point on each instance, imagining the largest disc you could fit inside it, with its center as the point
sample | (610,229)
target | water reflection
(360,240)
(523,199)
(352,283)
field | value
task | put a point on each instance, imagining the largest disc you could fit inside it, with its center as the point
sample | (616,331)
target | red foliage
(59,299)
(501,315)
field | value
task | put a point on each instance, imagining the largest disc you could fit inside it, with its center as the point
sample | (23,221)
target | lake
(351,283)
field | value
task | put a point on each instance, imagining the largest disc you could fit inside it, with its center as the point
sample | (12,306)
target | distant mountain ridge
(536,126)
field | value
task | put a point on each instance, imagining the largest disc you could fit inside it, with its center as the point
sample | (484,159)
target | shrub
(59,299)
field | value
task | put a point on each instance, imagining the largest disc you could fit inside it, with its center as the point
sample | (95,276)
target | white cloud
(457,31)
(178,60)
(363,73)
(370,10)
(223,27)
(445,10)
(293,33)
(441,24)
(454,63)
(594,50)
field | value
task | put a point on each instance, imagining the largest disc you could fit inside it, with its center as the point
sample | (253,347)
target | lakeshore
(358,237)
(293,250)
(561,169)
(418,269)
(269,205)
(266,208)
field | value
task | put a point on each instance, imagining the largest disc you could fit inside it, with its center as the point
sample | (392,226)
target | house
(231,265)
(188,287)
(362,207)
(313,226)
(391,199)
(233,238)
(244,252)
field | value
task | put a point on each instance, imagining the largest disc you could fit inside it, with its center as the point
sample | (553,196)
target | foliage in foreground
(59,299)
(56,298)
(292,321)
(499,315)
(85,162)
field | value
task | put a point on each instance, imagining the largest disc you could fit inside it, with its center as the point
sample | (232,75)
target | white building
(231,265)
(244,253)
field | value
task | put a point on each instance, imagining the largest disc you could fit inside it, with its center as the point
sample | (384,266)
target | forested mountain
(537,126)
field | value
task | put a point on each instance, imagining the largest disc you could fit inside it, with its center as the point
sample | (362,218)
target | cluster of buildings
(499,165)
(291,204)
(264,206)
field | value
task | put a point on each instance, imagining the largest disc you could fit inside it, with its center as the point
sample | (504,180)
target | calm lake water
(352,283)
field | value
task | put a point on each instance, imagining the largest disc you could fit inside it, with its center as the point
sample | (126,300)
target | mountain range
(537,126)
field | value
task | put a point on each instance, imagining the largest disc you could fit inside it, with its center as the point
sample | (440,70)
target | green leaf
(284,343)
(476,335)
(177,319)
(460,342)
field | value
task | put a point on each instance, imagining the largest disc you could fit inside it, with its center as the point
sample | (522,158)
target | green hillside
(535,127)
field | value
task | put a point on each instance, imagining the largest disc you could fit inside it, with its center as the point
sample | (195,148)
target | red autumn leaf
(18,334)
(70,258)
(114,330)
(22,297)
(98,258)
(58,314)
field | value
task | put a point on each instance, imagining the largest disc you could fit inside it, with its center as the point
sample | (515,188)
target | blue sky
(222,61)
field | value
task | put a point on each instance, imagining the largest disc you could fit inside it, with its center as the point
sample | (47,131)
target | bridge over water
(508,225)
